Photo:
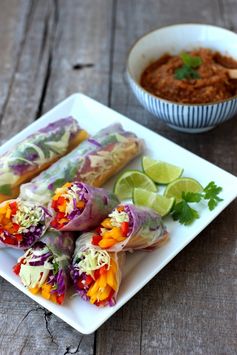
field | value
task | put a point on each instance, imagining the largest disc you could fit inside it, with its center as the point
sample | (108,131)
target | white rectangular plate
(140,266)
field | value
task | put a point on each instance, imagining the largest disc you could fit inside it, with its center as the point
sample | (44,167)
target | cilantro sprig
(185,214)
(55,267)
(188,69)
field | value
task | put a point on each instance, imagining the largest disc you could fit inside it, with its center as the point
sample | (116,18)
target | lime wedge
(159,203)
(126,182)
(159,171)
(175,188)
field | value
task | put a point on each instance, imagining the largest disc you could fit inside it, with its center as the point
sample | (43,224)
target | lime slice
(129,180)
(159,171)
(175,188)
(160,204)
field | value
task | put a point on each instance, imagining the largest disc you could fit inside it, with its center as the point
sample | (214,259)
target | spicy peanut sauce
(213,85)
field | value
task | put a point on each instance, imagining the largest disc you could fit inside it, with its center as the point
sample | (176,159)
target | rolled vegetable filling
(96,276)
(80,207)
(36,153)
(114,229)
(40,272)
(129,227)
(22,223)
(68,202)
(93,162)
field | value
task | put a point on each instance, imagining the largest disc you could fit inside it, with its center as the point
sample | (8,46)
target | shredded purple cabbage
(95,142)
(38,246)
(58,281)
(32,234)
(30,237)
(51,186)
(75,274)
(19,169)
(82,194)
(63,122)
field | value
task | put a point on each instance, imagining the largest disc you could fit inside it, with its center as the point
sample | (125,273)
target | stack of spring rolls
(70,229)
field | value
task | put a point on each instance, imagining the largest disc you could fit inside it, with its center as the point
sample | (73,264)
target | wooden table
(53,48)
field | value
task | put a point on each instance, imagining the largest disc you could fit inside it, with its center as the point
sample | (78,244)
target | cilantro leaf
(5,189)
(55,268)
(212,204)
(183,213)
(210,193)
(191,61)
(188,69)
(186,72)
(57,183)
(211,190)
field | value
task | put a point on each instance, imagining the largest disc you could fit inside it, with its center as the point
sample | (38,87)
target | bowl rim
(170,26)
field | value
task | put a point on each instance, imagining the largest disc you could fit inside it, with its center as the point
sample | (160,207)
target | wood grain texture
(27,328)
(53,48)
(48,38)
(81,52)
(189,307)
(27,82)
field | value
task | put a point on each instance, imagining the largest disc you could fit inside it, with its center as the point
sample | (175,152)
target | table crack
(47,317)
(50,59)
(18,55)
(73,351)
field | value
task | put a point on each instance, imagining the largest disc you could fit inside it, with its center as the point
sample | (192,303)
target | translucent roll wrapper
(45,267)
(77,206)
(96,273)
(36,153)
(22,223)
(130,228)
(93,162)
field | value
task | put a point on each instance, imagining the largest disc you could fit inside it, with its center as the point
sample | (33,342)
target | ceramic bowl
(191,118)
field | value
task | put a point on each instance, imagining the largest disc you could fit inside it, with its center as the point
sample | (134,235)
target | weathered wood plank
(81,53)
(189,307)
(27,83)
(27,328)
(11,37)
(56,35)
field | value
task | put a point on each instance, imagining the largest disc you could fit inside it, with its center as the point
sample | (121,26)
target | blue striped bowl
(175,39)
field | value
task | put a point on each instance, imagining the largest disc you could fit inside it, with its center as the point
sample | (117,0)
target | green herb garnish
(188,69)
(185,214)
(210,193)
(58,183)
(55,268)
(5,189)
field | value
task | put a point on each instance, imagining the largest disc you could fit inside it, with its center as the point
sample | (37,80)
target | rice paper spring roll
(36,153)
(45,267)
(77,206)
(22,223)
(129,227)
(93,162)
(96,273)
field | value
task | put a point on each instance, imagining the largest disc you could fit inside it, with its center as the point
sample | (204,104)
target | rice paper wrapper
(99,203)
(147,230)
(61,245)
(30,237)
(93,162)
(83,243)
(36,153)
